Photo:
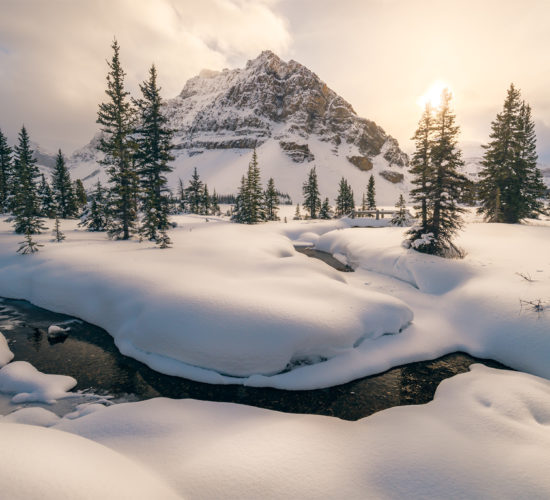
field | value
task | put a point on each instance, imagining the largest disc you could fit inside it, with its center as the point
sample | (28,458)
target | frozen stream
(90,355)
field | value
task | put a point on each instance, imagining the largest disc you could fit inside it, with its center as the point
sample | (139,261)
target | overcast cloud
(380,55)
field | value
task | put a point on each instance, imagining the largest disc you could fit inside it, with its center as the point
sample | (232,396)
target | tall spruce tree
(510,185)
(443,188)
(271,201)
(5,173)
(312,198)
(153,139)
(117,119)
(344,201)
(26,202)
(62,188)
(249,207)
(371,194)
(420,162)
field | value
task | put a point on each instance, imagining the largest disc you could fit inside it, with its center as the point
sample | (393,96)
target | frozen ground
(237,304)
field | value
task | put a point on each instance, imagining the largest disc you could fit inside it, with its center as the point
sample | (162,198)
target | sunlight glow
(433,95)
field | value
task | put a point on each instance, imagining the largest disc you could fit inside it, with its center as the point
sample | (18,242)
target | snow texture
(485,435)
(28,384)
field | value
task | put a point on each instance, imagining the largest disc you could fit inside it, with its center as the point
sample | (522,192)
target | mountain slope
(290,115)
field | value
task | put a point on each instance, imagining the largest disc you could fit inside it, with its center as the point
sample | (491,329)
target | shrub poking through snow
(28,246)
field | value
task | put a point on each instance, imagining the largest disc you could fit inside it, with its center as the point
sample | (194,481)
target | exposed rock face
(361,162)
(297,152)
(392,176)
(271,98)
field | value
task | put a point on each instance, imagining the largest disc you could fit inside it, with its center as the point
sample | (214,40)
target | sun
(433,95)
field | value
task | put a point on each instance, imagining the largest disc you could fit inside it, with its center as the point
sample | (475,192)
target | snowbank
(44,463)
(29,384)
(226,301)
(5,354)
(485,435)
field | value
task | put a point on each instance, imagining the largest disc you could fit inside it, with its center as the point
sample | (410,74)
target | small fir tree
(62,189)
(271,201)
(81,198)
(297,214)
(29,246)
(194,193)
(206,203)
(214,204)
(344,201)
(249,205)
(57,234)
(163,241)
(95,215)
(400,216)
(48,207)
(312,199)
(371,194)
(325,212)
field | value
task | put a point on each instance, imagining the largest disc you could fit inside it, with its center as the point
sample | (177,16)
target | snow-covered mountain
(293,118)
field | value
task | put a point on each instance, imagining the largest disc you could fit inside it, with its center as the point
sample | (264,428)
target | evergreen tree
(297,214)
(153,146)
(95,215)
(194,193)
(420,163)
(47,203)
(312,199)
(26,202)
(117,119)
(371,194)
(62,188)
(325,212)
(249,208)
(400,216)
(80,194)
(29,245)
(444,186)
(206,203)
(164,240)
(271,201)
(344,201)
(5,173)
(58,235)
(215,207)
(364,202)
(181,200)
(510,185)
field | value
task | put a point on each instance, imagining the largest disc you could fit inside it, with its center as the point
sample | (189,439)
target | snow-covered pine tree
(271,200)
(28,246)
(256,209)
(194,193)
(164,240)
(57,234)
(5,173)
(420,162)
(325,212)
(444,186)
(95,215)
(48,207)
(26,202)
(344,201)
(62,188)
(312,198)
(371,194)
(400,216)
(510,174)
(117,119)
(153,139)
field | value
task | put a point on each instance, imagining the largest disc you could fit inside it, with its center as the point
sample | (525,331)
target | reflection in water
(89,354)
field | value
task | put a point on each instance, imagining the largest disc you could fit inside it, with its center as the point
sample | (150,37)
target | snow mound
(32,416)
(29,384)
(5,354)
(57,331)
(36,462)
(497,419)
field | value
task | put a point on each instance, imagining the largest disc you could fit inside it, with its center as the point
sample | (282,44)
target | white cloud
(52,54)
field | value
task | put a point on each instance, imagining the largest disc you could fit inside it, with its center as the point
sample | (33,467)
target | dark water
(89,355)
(326,257)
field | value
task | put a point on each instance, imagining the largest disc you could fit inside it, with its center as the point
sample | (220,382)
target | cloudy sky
(380,55)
